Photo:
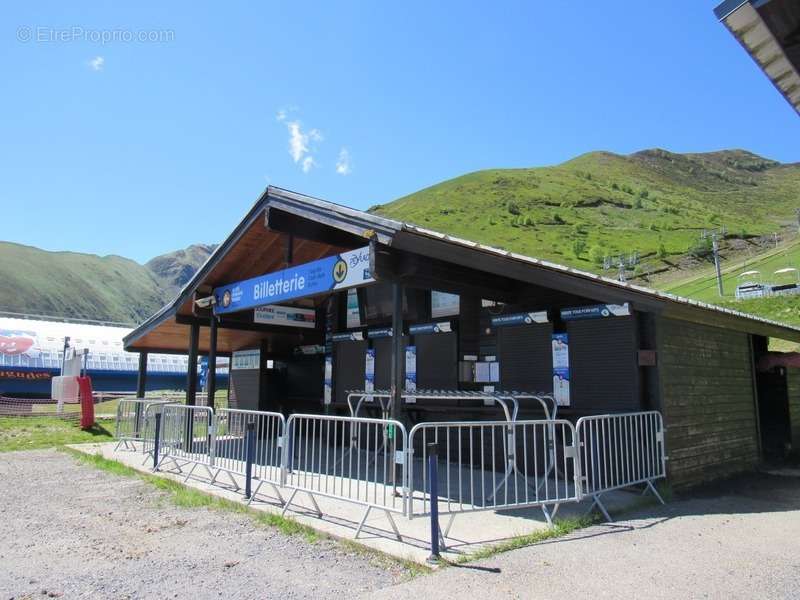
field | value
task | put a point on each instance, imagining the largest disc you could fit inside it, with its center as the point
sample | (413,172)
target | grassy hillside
(107,288)
(654,202)
(704,286)
(174,269)
(77,285)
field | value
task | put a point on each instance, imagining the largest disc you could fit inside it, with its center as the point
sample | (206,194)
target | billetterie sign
(345,270)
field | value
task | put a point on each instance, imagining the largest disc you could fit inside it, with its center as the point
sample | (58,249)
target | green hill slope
(107,288)
(654,202)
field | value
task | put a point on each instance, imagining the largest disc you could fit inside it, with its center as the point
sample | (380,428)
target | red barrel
(87,402)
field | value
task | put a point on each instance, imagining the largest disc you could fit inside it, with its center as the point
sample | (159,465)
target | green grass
(30,433)
(561,527)
(611,203)
(705,287)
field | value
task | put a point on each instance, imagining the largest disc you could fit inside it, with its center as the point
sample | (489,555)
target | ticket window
(437,361)
(604,374)
(305,377)
(349,368)
(526,358)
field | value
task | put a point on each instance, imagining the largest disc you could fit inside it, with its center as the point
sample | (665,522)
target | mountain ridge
(581,212)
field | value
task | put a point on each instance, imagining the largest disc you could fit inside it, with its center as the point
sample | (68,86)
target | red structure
(87,402)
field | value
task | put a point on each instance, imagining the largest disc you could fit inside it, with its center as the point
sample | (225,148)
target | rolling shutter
(603,367)
(348,368)
(526,359)
(437,361)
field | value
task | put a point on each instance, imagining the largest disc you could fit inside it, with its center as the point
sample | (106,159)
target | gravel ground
(73,531)
(737,540)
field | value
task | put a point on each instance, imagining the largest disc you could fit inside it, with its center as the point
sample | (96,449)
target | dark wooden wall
(793,388)
(707,401)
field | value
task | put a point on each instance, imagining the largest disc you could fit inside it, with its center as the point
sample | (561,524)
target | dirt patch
(73,531)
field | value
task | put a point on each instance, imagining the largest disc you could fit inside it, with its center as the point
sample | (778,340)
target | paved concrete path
(738,540)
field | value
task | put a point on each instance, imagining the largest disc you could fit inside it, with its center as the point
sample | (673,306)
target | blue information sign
(596,311)
(345,270)
(527,318)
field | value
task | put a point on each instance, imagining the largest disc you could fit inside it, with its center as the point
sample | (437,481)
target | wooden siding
(707,402)
(793,387)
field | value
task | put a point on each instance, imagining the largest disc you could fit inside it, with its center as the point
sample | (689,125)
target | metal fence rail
(494,465)
(230,446)
(187,437)
(619,451)
(481,465)
(132,421)
(358,460)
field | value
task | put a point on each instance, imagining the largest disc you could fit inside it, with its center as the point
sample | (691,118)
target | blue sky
(139,147)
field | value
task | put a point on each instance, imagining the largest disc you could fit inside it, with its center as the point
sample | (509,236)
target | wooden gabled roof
(314,228)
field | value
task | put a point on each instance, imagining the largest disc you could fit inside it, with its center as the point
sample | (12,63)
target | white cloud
(343,165)
(97,63)
(302,144)
(308,164)
(284,113)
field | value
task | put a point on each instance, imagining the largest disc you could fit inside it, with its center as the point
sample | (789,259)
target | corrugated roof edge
(587,275)
(171,307)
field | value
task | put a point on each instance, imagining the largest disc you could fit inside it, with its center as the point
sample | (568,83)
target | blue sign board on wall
(560,342)
(596,311)
(345,270)
(526,318)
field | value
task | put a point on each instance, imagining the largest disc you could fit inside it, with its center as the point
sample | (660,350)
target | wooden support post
(141,379)
(191,370)
(141,387)
(396,372)
(211,381)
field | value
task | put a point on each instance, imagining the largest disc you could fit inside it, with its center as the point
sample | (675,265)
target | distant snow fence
(379,465)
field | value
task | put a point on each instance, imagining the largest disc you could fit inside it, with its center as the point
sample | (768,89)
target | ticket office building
(386,305)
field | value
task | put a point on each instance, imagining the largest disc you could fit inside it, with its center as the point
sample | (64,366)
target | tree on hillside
(579,247)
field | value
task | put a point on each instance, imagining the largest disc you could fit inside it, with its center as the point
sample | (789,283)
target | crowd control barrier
(494,465)
(132,425)
(187,438)
(377,464)
(619,451)
(354,459)
(230,447)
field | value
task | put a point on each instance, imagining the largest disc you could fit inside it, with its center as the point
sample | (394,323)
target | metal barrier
(187,437)
(619,451)
(346,458)
(494,465)
(230,447)
(375,463)
(131,422)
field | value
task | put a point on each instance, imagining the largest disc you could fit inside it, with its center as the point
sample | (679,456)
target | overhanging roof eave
(171,309)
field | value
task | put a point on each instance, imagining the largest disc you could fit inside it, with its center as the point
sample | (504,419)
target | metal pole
(64,357)
(249,447)
(715,247)
(156,441)
(433,478)
(211,382)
